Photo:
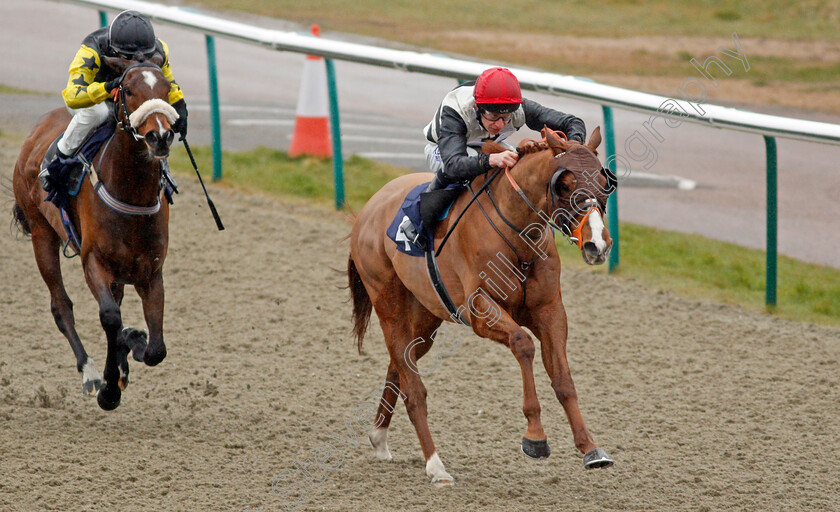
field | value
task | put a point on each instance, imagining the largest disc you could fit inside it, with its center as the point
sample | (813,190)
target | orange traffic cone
(312,135)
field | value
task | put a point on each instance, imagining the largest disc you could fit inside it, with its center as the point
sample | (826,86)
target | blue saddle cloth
(66,174)
(410,212)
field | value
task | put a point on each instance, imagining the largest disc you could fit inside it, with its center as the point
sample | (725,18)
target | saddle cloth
(411,218)
(65,175)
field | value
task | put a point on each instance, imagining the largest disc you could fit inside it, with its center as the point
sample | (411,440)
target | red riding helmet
(497,90)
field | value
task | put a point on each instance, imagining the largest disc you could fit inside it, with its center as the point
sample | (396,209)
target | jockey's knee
(83,122)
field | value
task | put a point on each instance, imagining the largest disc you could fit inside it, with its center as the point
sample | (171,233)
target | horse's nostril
(590,248)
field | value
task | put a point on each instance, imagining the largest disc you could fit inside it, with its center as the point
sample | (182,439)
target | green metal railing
(772,223)
(609,136)
(215,119)
(612,202)
(335,131)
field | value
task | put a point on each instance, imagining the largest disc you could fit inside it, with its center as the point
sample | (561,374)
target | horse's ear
(554,141)
(157,60)
(594,140)
(116,63)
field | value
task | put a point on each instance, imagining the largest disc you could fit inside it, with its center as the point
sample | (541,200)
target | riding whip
(209,201)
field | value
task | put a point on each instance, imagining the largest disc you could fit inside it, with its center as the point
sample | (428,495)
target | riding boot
(437,183)
(433,202)
(49,171)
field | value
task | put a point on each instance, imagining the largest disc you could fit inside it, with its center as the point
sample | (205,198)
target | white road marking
(356,126)
(402,156)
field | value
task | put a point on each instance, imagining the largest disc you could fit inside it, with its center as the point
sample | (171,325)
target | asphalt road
(704,180)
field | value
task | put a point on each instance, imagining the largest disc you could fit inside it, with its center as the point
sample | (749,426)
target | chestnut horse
(564,184)
(123,241)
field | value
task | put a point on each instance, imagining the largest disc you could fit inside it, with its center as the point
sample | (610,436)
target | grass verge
(8,89)
(689,265)
(274,172)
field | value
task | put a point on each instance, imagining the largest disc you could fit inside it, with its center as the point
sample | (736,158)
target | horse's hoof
(443,481)
(535,449)
(437,472)
(152,358)
(123,382)
(108,400)
(136,341)
(91,387)
(378,440)
(597,458)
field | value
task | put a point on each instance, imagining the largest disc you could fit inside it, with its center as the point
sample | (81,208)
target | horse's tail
(20,220)
(361,303)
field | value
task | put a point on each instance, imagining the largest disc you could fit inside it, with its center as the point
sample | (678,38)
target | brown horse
(122,223)
(563,182)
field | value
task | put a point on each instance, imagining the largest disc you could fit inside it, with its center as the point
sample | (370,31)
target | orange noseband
(577,234)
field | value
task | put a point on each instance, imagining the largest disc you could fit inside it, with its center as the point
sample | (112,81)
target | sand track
(703,406)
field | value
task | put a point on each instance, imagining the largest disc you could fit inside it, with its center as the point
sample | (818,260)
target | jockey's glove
(180,125)
(112,84)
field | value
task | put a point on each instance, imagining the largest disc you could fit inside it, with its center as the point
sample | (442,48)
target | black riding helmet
(131,33)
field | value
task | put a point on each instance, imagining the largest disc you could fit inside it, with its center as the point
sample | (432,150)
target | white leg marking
(89,371)
(596,224)
(435,469)
(91,380)
(379,441)
(150,79)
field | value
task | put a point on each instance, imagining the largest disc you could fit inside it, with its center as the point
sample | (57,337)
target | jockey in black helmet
(130,37)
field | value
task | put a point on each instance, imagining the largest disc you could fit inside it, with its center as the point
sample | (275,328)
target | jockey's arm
(537,116)
(457,164)
(175,93)
(82,90)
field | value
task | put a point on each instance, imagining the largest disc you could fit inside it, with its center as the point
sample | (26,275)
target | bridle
(120,106)
(98,186)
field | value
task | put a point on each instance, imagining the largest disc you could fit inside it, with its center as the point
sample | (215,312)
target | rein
(475,196)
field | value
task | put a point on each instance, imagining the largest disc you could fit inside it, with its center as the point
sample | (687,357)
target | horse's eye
(127,91)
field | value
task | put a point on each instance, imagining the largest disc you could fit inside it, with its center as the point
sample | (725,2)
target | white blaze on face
(150,79)
(596,224)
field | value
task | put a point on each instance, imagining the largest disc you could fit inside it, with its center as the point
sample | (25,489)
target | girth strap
(440,288)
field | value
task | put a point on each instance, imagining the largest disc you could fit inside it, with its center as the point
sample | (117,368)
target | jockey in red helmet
(130,37)
(491,108)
